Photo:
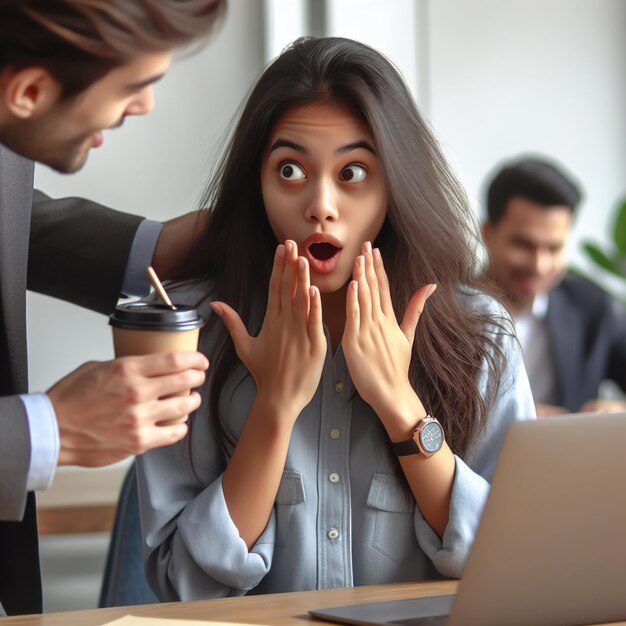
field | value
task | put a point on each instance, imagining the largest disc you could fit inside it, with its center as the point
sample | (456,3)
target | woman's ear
(29,92)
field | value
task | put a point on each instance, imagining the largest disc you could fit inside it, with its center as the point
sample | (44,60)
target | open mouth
(323,250)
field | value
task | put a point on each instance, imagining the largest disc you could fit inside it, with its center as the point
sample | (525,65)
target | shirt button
(334,478)
(333,533)
(339,387)
(335,433)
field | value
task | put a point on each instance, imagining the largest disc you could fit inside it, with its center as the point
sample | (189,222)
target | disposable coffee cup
(141,328)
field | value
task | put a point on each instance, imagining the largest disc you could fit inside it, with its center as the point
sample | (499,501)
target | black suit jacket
(64,248)
(587,331)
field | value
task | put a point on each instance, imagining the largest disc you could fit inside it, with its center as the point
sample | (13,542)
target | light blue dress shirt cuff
(469,495)
(136,280)
(44,440)
(232,564)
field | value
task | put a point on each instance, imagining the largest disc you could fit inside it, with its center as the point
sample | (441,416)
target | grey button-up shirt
(344,514)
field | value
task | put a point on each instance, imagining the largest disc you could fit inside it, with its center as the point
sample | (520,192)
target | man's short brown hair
(79,41)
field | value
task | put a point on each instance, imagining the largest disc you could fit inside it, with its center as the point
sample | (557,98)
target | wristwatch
(427,439)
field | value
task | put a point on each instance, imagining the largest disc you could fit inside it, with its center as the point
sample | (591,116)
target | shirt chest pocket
(394,507)
(291,488)
(290,518)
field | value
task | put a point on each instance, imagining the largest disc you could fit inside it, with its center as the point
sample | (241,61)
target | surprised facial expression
(324,188)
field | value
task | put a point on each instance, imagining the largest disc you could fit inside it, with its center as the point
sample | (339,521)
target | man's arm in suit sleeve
(79,251)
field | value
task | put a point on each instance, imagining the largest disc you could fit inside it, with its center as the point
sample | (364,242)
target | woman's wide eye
(291,171)
(353,174)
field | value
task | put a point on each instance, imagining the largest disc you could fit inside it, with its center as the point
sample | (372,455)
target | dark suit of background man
(68,70)
(573,333)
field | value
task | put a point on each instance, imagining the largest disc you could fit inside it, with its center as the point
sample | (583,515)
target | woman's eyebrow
(285,143)
(355,145)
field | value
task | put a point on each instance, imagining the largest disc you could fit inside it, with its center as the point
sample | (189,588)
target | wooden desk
(276,609)
(280,609)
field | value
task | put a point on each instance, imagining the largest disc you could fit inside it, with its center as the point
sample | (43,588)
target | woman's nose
(323,204)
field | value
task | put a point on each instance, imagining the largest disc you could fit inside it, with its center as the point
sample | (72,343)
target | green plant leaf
(619,228)
(601,259)
(617,294)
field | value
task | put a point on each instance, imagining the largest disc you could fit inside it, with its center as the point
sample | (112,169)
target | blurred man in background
(572,333)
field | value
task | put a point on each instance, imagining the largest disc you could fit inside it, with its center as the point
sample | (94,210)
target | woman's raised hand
(377,348)
(287,357)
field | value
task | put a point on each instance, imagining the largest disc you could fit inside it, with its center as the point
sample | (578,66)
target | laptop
(550,549)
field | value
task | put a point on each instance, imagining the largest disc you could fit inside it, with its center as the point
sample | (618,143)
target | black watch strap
(414,445)
(405,448)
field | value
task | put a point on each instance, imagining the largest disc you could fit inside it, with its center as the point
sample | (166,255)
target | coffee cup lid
(155,316)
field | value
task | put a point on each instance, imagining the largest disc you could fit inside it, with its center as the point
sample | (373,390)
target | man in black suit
(68,70)
(573,334)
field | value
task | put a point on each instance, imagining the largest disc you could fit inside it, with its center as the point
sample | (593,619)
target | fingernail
(301,263)
(431,290)
(280,251)
(217,308)
(367,247)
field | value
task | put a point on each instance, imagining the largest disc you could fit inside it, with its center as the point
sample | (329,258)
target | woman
(336,446)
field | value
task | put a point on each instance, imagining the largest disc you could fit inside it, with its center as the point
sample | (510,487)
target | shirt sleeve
(513,402)
(192,547)
(136,281)
(44,438)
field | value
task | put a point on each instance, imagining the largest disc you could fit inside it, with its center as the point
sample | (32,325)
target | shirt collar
(540,305)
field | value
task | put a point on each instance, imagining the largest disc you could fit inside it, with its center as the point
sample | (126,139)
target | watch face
(431,437)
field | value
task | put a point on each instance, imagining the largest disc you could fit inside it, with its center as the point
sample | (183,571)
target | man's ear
(29,92)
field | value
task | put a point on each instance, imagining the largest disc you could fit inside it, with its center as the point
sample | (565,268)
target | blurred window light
(397,28)
(285,20)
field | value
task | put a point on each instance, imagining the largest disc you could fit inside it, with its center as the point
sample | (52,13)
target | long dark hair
(428,235)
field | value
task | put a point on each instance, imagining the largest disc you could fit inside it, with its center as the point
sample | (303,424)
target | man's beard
(34,142)
(67,162)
